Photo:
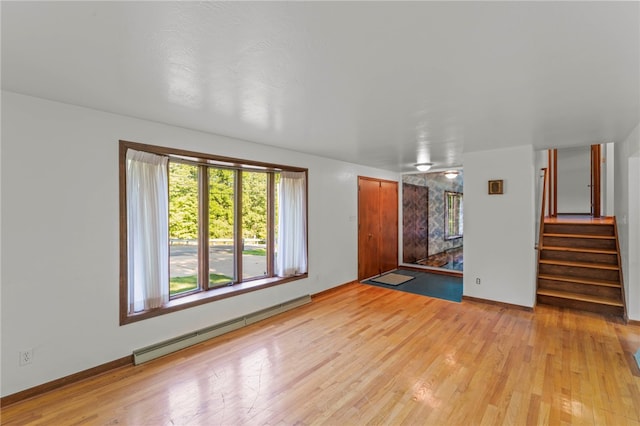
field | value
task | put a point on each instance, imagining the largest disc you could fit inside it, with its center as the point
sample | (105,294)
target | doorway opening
(578,185)
(432,220)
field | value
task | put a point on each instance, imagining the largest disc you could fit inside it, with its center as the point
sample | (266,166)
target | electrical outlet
(26,357)
(478,281)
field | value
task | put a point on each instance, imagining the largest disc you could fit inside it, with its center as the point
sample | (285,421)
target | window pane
(453,215)
(276,211)
(221,209)
(183,228)
(254,224)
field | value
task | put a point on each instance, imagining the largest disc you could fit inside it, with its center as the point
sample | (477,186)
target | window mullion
(168,268)
(238,241)
(270,223)
(203,229)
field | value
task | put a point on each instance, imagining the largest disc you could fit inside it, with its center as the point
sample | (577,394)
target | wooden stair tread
(579,250)
(597,237)
(577,280)
(575,247)
(577,222)
(580,297)
(580,264)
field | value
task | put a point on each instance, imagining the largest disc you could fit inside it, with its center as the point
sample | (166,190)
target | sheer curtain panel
(147,230)
(291,258)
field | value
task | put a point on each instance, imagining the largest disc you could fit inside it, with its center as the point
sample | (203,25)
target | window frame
(457,217)
(203,295)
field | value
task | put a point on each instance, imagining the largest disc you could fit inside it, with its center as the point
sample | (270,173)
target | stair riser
(593,290)
(584,229)
(584,306)
(557,279)
(573,271)
(579,243)
(609,259)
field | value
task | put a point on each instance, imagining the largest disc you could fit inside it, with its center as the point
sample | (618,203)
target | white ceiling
(384,84)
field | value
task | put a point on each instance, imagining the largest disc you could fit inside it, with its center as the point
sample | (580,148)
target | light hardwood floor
(368,355)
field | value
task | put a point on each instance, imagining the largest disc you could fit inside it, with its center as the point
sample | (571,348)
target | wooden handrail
(543,208)
(541,226)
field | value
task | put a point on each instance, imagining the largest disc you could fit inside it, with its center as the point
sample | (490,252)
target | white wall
(627,212)
(499,229)
(574,178)
(1,257)
(632,270)
(59,271)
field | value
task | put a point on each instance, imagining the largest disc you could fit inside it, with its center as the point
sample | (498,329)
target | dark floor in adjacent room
(427,284)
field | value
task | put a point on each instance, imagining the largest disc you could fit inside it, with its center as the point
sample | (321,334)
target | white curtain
(291,258)
(147,230)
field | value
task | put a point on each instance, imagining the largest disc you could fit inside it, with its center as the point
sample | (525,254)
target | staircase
(579,266)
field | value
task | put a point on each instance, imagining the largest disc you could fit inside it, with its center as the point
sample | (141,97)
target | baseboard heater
(190,339)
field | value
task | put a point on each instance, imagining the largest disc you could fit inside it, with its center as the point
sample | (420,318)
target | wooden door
(415,206)
(368,227)
(377,226)
(388,244)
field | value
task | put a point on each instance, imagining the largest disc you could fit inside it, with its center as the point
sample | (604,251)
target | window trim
(447,195)
(205,295)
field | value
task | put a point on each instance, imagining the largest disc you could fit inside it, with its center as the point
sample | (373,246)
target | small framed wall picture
(496,187)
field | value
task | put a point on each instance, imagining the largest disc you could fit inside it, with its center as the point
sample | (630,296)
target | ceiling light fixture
(423,167)
(451,174)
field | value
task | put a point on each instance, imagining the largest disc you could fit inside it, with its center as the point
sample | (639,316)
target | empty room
(225,213)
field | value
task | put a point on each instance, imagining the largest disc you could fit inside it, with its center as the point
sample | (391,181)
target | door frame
(595,185)
(596,180)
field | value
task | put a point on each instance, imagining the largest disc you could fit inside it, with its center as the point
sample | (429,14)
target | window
(196,228)
(453,215)
(183,228)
